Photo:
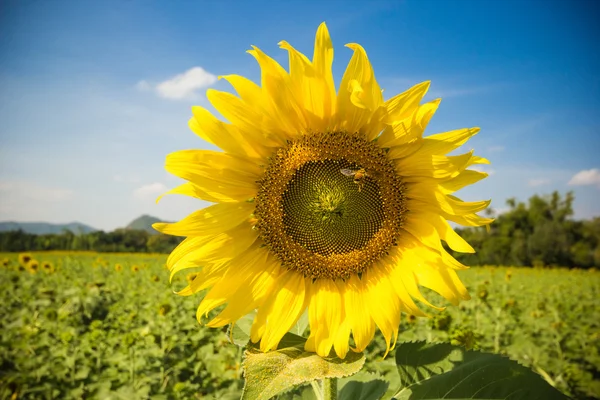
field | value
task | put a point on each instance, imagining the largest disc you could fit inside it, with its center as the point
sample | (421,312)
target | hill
(144,223)
(44,228)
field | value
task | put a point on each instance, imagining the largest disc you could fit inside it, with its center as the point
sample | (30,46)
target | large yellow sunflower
(334,203)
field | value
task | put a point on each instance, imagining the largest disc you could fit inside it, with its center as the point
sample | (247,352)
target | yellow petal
(443,281)
(422,230)
(359,95)
(248,91)
(340,343)
(191,190)
(465,178)
(227,137)
(281,310)
(430,227)
(443,143)
(183,248)
(209,221)
(383,303)
(196,165)
(205,278)
(240,273)
(435,166)
(405,285)
(322,62)
(403,105)
(261,282)
(248,119)
(324,312)
(359,318)
(287,116)
(468,219)
(217,249)
(407,130)
(455,242)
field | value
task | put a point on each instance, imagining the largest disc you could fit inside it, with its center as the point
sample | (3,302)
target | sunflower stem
(329,388)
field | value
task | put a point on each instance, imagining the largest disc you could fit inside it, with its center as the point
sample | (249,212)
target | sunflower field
(93,325)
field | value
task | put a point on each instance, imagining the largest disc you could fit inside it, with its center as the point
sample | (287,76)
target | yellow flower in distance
(48,267)
(118,267)
(331,203)
(24,258)
(33,266)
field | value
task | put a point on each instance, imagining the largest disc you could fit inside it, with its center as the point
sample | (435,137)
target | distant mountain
(44,228)
(144,223)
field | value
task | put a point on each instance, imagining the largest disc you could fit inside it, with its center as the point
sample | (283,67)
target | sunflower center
(324,211)
(330,205)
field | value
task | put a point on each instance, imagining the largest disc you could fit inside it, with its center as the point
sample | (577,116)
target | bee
(358,175)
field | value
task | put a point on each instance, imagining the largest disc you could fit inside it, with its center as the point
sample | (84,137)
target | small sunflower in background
(135,268)
(5,262)
(329,202)
(190,277)
(24,258)
(48,267)
(33,266)
(118,267)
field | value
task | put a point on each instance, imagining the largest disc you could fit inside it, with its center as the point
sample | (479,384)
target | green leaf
(373,390)
(267,374)
(240,331)
(436,371)
(301,325)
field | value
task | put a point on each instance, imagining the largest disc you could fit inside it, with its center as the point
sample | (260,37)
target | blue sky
(90,102)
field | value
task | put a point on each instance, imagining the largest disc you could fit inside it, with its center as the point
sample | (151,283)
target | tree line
(120,240)
(540,232)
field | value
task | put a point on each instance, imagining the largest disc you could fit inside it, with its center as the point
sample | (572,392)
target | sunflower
(48,267)
(135,268)
(24,258)
(331,203)
(32,266)
(118,267)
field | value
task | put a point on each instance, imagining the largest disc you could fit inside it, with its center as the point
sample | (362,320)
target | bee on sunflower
(330,203)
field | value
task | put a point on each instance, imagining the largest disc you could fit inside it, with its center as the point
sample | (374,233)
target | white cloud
(149,191)
(181,86)
(538,182)
(587,177)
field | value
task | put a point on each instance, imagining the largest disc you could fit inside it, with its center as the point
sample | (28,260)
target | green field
(85,328)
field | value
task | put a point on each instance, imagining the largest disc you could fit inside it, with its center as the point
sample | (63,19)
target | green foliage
(540,233)
(268,374)
(443,371)
(88,330)
(371,390)
(120,240)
